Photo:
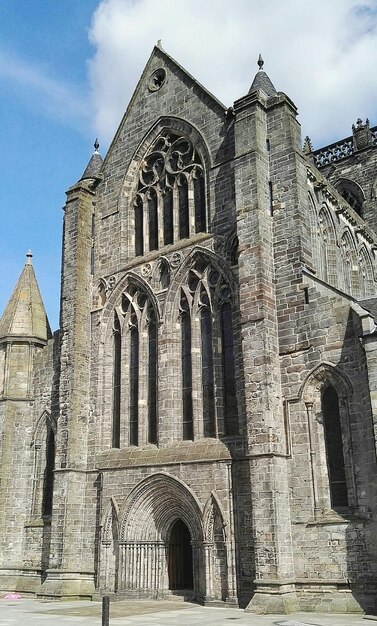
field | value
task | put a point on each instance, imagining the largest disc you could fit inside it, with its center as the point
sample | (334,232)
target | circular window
(157,79)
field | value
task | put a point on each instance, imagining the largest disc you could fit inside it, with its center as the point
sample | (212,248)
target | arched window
(352,193)
(153,220)
(116,381)
(188,432)
(327,247)
(199,200)
(139,226)
(184,215)
(208,360)
(48,478)
(334,448)
(208,383)
(229,376)
(171,185)
(135,359)
(168,216)
(350,266)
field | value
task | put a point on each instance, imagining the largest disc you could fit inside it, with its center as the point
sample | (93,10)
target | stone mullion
(169,383)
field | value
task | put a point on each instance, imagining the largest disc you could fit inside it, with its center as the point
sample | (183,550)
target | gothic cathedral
(204,422)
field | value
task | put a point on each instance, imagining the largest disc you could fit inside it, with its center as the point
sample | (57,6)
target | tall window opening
(48,479)
(334,448)
(116,382)
(229,376)
(184,215)
(153,220)
(208,383)
(199,200)
(152,378)
(171,186)
(139,226)
(168,216)
(134,382)
(188,432)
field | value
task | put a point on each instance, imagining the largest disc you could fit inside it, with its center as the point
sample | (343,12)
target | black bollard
(105,610)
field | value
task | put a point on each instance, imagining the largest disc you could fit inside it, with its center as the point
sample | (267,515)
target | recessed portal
(180,557)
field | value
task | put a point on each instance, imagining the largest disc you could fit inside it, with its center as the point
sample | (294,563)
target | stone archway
(155,507)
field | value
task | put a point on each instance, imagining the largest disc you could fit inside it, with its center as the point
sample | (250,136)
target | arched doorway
(180,557)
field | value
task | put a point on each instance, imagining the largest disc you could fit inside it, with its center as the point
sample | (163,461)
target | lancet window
(209,403)
(169,203)
(43,446)
(134,370)
(334,448)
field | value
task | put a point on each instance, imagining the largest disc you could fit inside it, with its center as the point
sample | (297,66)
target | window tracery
(169,203)
(207,330)
(134,363)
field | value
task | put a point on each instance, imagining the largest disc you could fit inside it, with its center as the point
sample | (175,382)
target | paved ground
(28,612)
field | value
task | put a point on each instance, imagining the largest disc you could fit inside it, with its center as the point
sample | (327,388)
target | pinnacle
(94,166)
(262,81)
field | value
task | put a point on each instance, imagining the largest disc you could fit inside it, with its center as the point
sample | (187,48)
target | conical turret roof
(262,81)
(25,314)
(93,168)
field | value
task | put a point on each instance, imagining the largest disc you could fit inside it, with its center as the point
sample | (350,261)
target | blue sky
(68,69)
(45,143)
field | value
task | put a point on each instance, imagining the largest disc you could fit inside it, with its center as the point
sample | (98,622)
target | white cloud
(322,54)
(59,99)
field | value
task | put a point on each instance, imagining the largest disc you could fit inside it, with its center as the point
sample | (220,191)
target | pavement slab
(30,612)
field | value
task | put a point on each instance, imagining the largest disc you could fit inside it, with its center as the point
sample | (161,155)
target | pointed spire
(262,81)
(308,146)
(94,166)
(25,314)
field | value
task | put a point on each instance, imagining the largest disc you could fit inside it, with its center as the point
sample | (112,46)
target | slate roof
(25,314)
(94,166)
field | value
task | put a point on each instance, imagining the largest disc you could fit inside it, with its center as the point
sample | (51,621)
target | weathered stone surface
(203,214)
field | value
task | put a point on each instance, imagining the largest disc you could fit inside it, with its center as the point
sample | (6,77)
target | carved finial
(158,44)
(96,145)
(308,146)
(29,256)
(260,62)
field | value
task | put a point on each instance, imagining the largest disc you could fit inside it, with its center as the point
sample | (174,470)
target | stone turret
(70,575)
(24,331)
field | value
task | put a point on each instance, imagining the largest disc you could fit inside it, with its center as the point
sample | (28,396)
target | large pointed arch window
(208,389)
(170,199)
(135,357)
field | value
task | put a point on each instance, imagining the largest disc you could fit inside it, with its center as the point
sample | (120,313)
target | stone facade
(205,420)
